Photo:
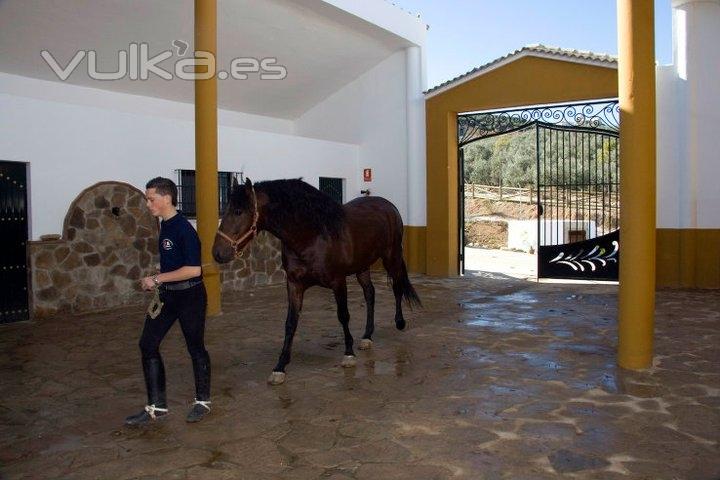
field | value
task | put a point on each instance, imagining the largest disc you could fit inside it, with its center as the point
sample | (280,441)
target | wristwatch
(156,281)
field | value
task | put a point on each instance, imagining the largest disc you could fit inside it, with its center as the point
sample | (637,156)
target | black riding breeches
(187,306)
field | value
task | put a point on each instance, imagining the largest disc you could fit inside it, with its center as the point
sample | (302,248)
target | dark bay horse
(322,243)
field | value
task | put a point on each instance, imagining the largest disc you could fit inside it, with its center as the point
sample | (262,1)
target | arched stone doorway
(109,241)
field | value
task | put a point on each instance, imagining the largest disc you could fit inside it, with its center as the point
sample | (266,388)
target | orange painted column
(206,147)
(442,192)
(636,82)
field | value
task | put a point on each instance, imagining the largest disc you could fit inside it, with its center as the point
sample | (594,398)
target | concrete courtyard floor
(495,378)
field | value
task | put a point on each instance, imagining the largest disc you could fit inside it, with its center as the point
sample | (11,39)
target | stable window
(186,191)
(333,187)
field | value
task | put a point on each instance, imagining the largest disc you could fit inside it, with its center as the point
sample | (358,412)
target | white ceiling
(322,47)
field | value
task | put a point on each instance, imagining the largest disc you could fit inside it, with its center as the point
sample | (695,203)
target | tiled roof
(537,50)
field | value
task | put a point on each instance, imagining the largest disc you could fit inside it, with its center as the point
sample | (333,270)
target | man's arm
(182,273)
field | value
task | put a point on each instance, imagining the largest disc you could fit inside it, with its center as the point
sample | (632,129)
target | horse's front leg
(365,281)
(295,299)
(340,291)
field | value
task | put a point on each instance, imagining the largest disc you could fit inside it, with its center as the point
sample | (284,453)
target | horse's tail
(395,264)
(408,291)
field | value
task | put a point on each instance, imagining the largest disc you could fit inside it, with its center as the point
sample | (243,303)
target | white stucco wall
(669,123)
(71,145)
(370,112)
(523,234)
(688,120)
(416,84)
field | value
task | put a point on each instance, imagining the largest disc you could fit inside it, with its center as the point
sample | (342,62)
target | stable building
(330,91)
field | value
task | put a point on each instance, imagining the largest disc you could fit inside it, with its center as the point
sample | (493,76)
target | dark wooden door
(13,242)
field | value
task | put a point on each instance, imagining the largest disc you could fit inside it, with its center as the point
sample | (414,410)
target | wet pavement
(495,378)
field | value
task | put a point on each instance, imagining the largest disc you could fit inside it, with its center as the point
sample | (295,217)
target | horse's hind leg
(295,300)
(365,281)
(394,266)
(340,291)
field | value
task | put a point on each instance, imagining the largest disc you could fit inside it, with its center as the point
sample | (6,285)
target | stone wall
(261,265)
(110,241)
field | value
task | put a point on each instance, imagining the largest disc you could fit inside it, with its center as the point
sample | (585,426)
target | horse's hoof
(400,324)
(365,344)
(276,378)
(348,361)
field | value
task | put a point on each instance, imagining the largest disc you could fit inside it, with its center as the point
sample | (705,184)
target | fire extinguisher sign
(367,174)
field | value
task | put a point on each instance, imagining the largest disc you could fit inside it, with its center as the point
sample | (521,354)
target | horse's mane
(300,204)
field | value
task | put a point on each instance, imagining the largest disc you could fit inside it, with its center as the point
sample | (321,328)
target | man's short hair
(164,186)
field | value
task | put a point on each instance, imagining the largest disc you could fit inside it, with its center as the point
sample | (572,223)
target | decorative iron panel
(602,115)
(13,243)
(596,259)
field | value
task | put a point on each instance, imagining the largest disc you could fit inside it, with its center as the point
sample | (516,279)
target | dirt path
(500,264)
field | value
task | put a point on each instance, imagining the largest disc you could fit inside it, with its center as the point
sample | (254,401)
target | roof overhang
(322,44)
(538,51)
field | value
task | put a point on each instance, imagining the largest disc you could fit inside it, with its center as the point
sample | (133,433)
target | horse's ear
(248,183)
(234,183)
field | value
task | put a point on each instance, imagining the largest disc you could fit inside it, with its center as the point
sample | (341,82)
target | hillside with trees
(579,173)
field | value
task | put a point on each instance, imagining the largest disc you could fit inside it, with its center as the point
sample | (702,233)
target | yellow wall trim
(688,258)
(414,246)
(413,250)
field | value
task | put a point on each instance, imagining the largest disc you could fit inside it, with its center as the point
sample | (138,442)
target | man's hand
(147,283)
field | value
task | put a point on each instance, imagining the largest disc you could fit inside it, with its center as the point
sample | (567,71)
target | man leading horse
(180,295)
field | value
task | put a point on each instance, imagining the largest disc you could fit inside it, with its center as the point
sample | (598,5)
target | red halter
(252,232)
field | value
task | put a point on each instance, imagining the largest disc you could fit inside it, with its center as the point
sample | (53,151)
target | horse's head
(239,223)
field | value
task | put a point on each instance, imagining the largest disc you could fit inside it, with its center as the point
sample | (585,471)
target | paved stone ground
(494,379)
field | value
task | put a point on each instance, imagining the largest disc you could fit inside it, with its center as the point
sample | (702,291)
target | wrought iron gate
(578,180)
(579,204)
(13,241)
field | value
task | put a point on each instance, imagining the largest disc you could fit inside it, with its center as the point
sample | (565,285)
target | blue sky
(467,33)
